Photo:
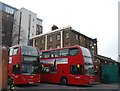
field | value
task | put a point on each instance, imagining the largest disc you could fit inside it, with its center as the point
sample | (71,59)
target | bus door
(76,72)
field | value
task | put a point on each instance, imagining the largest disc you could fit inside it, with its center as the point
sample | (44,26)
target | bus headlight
(78,66)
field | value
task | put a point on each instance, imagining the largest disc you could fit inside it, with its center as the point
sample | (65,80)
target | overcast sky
(93,18)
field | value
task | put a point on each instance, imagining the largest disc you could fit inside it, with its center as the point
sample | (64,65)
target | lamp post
(92,45)
(93,52)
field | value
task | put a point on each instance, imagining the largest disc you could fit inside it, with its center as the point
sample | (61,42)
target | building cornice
(60,29)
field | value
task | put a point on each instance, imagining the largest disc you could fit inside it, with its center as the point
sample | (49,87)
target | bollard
(3,68)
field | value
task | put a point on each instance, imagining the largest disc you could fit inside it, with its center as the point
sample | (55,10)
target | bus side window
(16,69)
(64,52)
(46,54)
(45,70)
(41,56)
(52,54)
(55,53)
(74,51)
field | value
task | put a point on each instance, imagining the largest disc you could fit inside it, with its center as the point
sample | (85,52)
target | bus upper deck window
(46,54)
(41,56)
(11,52)
(64,52)
(74,51)
(15,51)
(55,53)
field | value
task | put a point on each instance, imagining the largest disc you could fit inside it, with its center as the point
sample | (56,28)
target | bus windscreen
(27,50)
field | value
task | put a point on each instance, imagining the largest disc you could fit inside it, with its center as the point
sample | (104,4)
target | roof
(105,58)
(51,31)
(9,6)
(39,19)
(60,29)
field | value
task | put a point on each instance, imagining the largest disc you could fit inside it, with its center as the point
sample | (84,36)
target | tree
(15,34)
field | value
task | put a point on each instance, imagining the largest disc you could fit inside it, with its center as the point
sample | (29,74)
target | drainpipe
(19,28)
(33,42)
(61,34)
(45,42)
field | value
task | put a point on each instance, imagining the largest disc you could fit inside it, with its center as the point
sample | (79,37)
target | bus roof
(76,46)
(20,46)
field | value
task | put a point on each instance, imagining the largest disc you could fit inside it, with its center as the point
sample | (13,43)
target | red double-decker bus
(24,65)
(69,65)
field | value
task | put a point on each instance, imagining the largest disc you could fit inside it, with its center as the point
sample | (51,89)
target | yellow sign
(16,65)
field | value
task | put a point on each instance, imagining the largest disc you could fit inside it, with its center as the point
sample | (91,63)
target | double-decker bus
(24,65)
(68,65)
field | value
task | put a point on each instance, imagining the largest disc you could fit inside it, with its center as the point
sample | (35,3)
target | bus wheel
(63,81)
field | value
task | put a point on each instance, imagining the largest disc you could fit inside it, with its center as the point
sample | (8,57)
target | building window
(32,34)
(7,16)
(37,30)
(50,47)
(77,37)
(9,10)
(50,38)
(35,42)
(66,35)
(41,29)
(42,41)
(58,37)
(67,44)
(58,46)
(41,49)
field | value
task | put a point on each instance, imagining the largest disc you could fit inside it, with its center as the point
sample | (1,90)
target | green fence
(110,73)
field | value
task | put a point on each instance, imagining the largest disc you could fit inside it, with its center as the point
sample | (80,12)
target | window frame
(50,38)
(42,41)
(58,46)
(58,37)
(77,37)
(66,35)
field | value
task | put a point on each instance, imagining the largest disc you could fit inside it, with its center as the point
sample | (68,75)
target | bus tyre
(63,81)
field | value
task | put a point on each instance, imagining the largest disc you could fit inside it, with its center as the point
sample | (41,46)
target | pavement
(47,86)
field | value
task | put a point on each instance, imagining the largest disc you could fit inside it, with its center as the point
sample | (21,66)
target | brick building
(7,19)
(63,37)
